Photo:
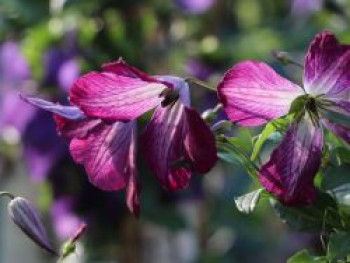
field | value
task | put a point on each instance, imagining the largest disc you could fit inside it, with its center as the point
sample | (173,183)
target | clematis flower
(101,127)
(195,6)
(253,94)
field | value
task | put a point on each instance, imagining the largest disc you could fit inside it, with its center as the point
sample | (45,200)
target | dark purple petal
(252,93)
(339,130)
(327,66)
(104,152)
(120,93)
(27,218)
(290,172)
(199,142)
(69,112)
(42,148)
(163,148)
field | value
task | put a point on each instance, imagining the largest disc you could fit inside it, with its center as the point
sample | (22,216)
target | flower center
(170,96)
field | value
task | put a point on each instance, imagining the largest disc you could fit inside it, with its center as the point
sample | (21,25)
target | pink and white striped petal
(163,147)
(120,93)
(327,66)
(290,172)
(252,93)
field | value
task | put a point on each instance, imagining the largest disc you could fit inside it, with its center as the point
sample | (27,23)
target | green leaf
(303,256)
(270,128)
(321,215)
(338,246)
(246,203)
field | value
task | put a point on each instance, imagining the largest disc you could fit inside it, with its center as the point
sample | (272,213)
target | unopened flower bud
(26,217)
(282,56)
(69,247)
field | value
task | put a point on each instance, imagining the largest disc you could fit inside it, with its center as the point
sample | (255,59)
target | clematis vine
(253,94)
(101,125)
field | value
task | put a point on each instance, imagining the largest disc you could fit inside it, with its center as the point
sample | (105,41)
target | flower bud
(26,217)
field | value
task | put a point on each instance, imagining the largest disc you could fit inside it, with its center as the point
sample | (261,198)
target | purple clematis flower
(252,94)
(101,128)
(195,6)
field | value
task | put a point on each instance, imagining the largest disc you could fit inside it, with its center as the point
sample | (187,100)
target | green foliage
(304,256)
(320,216)
(339,247)
(279,125)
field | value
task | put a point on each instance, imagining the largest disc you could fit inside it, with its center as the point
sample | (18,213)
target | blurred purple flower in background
(195,6)
(305,7)
(32,125)
(198,69)
(65,222)
(62,68)
(14,75)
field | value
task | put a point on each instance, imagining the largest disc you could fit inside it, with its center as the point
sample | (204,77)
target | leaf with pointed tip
(303,256)
(271,127)
(246,203)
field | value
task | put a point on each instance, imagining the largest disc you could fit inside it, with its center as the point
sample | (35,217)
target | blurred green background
(47,44)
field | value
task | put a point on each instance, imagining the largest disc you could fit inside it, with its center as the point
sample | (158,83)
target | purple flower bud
(26,217)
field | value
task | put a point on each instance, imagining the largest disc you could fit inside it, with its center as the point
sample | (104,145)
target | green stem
(200,83)
(11,196)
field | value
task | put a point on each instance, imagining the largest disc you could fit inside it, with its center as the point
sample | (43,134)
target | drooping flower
(26,216)
(253,94)
(101,128)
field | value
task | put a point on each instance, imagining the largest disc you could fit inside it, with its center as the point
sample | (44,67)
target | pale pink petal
(341,106)
(290,172)
(120,93)
(199,142)
(163,147)
(252,93)
(104,154)
(133,187)
(339,130)
(327,66)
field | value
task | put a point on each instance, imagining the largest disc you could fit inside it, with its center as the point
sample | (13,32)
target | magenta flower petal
(120,93)
(327,66)
(104,153)
(252,93)
(75,129)
(339,130)
(199,142)
(290,172)
(163,149)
